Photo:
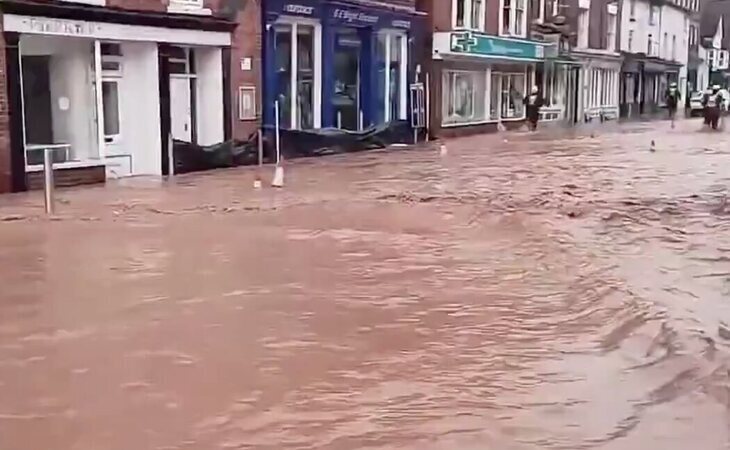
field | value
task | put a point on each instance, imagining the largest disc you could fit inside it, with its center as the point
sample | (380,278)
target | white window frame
(540,17)
(468,14)
(654,12)
(584,23)
(294,22)
(612,29)
(188,7)
(512,23)
(403,85)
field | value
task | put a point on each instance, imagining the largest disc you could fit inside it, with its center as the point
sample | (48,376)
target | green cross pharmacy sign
(469,43)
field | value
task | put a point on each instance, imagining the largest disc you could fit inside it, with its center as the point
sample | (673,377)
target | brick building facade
(482,63)
(108,83)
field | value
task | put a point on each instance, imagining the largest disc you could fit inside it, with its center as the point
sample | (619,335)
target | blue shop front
(337,64)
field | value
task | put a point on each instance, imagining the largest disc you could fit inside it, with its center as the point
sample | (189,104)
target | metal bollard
(48,179)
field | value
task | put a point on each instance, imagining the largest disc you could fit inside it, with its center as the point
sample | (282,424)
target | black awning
(92,13)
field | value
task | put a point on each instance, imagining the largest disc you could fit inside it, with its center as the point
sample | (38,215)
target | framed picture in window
(247,103)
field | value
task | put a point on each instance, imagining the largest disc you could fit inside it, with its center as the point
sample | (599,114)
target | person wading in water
(712,101)
(533,103)
(672,98)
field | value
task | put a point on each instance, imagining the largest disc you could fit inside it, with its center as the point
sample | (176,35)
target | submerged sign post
(418,109)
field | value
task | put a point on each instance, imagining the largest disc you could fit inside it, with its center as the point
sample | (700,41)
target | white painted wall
(640,26)
(209,91)
(140,108)
(70,78)
(675,22)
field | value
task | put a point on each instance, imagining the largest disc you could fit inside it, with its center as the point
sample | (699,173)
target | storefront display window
(296,71)
(554,85)
(513,93)
(391,47)
(463,97)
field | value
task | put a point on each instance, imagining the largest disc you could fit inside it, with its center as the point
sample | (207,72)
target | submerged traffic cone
(278,180)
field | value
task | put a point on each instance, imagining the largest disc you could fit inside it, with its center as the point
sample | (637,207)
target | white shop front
(94,91)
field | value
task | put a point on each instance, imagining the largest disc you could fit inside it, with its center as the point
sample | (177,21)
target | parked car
(695,104)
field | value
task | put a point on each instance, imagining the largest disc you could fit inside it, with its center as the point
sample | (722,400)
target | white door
(181,109)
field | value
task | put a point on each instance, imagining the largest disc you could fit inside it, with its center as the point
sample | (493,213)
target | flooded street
(550,291)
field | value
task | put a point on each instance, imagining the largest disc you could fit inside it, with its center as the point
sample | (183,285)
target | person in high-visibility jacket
(712,102)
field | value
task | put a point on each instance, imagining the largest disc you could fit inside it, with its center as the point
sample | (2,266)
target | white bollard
(443,150)
(278,180)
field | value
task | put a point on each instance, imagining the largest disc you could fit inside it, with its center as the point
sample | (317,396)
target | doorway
(346,100)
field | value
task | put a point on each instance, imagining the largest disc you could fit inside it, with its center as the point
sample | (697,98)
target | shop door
(347,81)
(181,109)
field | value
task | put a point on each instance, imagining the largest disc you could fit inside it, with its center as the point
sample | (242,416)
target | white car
(695,103)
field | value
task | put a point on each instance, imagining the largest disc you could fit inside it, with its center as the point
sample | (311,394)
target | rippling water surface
(547,291)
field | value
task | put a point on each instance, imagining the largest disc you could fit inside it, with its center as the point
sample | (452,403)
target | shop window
(463,97)
(554,85)
(513,93)
(296,72)
(514,18)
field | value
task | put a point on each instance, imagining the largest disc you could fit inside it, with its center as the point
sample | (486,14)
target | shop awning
(479,46)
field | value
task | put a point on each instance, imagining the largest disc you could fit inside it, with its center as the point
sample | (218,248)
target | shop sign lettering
(64,27)
(299,9)
(355,16)
(405,24)
(486,45)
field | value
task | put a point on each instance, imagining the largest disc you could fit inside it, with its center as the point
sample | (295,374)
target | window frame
(468,15)
(294,22)
(512,25)
(611,30)
(403,85)
(477,97)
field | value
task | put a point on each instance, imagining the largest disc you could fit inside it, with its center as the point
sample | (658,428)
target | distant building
(655,41)
(715,32)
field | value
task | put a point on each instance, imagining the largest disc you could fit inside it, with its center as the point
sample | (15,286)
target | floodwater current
(560,290)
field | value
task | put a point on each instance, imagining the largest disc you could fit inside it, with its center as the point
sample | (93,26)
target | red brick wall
(247,43)
(440,15)
(5,179)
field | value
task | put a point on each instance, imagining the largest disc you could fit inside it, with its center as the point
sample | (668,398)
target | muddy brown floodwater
(554,291)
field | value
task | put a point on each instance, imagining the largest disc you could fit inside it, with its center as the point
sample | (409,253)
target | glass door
(347,81)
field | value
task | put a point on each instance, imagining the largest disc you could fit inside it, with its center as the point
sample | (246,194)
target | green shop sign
(478,44)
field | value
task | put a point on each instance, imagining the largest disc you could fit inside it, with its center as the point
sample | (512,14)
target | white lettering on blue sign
(299,9)
(352,16)
(406,24)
